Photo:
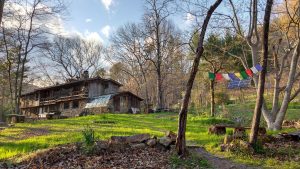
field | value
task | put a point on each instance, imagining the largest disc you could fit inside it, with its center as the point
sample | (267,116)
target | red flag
(219,76)
(249,72)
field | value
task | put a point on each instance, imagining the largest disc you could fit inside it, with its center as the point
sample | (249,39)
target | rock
(219,130)
(118,139)
(165,141)
(223,147)
(151,142)
(102,145)
(228,139)
(246,146)
(138,145)
(161,147)
(171,135)
(139,138)
(297,125)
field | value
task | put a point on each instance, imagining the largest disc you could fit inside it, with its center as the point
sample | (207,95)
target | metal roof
(100,101)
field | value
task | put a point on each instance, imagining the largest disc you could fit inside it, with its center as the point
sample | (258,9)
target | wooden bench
(220,129)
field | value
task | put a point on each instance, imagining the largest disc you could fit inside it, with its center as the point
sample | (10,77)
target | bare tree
(158,30)
(129,46)
(285,51)
(23,32)
(72,56)
(180,140)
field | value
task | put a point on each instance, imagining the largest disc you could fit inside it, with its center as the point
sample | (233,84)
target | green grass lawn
(17,141)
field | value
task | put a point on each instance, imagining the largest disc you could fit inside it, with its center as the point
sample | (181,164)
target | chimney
(85,74)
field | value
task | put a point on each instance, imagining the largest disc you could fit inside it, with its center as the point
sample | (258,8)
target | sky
(99,18)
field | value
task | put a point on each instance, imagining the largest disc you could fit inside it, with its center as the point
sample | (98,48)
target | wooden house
(96,95)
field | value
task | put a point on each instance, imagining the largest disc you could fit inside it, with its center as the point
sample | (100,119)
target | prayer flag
(233,77)
(249,72)
(211,76)
(238,75)
(225,76)
(219,76)
(254,70)
(258,67)
(244,75)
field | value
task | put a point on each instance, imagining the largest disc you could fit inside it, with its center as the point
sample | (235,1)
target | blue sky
(99,18)
(102,16)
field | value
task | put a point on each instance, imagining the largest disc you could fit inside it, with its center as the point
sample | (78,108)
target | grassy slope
(13,142)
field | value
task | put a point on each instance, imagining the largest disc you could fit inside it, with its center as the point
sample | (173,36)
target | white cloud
(189,18)
(107,3)
(106,31)
(94,36)
(87,20)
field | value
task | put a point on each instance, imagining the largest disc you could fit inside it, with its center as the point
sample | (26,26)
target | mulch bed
(283,150)
(116,156)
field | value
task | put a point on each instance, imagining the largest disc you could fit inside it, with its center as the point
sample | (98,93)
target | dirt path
(221,163)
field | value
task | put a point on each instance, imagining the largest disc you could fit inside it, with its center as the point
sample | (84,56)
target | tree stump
(239,132)
(262,131)
(219,130)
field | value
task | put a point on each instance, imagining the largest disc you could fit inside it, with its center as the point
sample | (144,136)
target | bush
(222,98)
(88,139)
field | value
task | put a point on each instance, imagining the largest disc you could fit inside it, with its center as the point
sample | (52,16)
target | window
(105,85)
(66,105)
(75,104)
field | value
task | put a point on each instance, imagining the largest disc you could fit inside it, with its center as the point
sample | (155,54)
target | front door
(117,104)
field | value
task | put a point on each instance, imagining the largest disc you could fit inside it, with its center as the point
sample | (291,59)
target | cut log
(294,136)
(239,132)
(219,130)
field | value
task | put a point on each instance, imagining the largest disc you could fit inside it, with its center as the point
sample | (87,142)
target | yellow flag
(238,75)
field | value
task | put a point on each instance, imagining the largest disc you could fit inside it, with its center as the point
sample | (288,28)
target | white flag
(254,70)
(225,75)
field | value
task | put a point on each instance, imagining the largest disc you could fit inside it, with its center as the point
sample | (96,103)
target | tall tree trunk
(212,98)
(180,140)
(262,77)
(159,99)
(1,10)
(287,93)
(146,90)
(16,85)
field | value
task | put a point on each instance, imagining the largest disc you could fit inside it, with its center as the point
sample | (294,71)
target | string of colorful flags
(243,75)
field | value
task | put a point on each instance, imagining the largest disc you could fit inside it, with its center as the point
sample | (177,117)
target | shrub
(222,98)
(88,139)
